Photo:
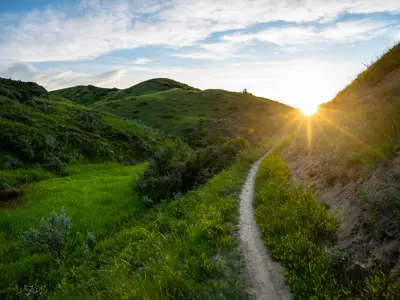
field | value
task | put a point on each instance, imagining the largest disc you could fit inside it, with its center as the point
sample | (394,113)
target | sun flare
(309,109)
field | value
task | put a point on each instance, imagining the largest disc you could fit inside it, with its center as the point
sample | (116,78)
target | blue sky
(296,52)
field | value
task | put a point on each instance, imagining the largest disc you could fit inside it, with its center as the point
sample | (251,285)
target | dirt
(265,275)
(342,189)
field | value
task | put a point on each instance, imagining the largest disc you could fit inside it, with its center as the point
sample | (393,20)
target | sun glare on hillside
(308,109)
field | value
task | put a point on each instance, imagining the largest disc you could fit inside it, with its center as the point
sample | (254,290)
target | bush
(54,235)
(176,168)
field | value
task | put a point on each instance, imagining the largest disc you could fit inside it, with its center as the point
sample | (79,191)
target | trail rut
(265,275)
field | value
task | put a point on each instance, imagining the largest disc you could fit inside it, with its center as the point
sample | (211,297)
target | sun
(309,109)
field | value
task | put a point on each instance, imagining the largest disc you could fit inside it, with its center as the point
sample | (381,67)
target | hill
(90,94)
(200,117)
(83,94)
(93,222)
(39,130)
(350,155)
(151,86)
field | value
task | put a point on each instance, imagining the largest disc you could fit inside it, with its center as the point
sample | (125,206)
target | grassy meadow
(180,249)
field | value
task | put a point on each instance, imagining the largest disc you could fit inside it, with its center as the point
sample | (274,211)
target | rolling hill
(199,117)
(83,94)
(45,131)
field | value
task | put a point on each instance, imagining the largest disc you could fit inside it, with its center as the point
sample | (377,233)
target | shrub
(54,235)
(177,168)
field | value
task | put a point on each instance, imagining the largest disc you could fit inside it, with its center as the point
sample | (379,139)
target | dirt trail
(265,275)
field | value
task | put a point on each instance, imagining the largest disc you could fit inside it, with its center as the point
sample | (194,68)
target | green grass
(51,132)
(182,249)
(83,94)
(200,115)
(90,94)
(99,199)
(22,176)
(297,231)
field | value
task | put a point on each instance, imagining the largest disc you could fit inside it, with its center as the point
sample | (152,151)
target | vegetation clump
(176,168)
(298,231)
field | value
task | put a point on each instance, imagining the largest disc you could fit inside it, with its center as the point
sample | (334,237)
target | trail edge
(266,278)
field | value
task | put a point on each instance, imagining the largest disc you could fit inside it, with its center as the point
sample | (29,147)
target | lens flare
(309,109)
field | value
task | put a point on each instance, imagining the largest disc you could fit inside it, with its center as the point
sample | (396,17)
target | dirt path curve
(265,275)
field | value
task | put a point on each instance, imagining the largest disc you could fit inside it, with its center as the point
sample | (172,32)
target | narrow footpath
(266,278)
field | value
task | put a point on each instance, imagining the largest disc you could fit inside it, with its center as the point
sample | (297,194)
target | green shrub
(176,168)
(54,235)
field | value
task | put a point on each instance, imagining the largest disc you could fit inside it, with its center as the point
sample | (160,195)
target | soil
(265,275)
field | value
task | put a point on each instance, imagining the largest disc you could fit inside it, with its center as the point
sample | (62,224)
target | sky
(292,51)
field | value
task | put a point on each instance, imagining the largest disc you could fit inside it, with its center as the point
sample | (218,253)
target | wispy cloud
(142,61)
(56,79)
(340,32)
(97,27)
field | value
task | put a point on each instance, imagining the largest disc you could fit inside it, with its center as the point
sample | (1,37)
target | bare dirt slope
(265,275)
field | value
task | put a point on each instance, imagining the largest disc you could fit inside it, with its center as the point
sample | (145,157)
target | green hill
(151,86)
(42,130)
(83,94)
(90,94)
(200,117)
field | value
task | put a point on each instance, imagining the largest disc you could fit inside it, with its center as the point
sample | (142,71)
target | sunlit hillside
(349,152)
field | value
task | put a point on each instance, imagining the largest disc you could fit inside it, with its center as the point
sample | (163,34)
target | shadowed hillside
(40,130)
(349,151)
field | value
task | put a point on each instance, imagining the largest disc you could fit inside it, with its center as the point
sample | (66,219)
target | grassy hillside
(83,94)
(115,247)
(367,112)
(349,152)
(200,117)
(90,94)
(43,131)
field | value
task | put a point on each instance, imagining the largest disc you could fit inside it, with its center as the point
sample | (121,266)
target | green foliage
(50,133)
(99,201)
(297,231)
(53,235)
(19,90)
(82,94)
(181,249)
(175,168)
(21,176)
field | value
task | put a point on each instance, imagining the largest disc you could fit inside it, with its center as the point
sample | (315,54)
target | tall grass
(181,249)
(298,231)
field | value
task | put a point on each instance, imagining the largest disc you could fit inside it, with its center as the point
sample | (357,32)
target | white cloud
(277,35)
(142,61)
(355,30)
(341,32)
(56,79)
(96,27)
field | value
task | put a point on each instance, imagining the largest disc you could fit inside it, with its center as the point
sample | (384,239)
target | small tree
(245,91)
(54,235)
